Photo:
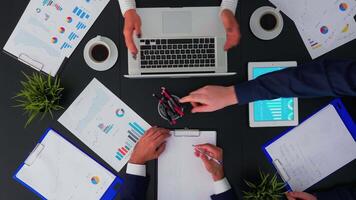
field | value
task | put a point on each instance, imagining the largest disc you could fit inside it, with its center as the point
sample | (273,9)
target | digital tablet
(276,112)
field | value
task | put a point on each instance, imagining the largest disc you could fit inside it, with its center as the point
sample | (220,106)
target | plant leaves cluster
(39,95)
(270,188)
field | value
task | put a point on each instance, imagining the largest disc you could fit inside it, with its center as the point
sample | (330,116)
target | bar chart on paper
(81,13)
(105,124)
(134,134)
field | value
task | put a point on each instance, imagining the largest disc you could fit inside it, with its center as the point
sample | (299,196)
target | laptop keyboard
(177,53)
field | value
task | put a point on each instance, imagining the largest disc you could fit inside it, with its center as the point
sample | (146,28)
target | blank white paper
(182,175)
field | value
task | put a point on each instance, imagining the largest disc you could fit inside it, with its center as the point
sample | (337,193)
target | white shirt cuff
(126,5)
(229,5)
(138,170)
(221,186)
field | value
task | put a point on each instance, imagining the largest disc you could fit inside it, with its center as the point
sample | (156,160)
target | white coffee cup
(99,47)
(100,53)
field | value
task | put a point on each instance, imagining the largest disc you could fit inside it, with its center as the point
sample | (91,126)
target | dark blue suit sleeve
(343,193)
(228,195)
(134,187)
(324,78)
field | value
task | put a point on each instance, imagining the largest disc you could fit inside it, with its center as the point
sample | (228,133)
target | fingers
(160,149)
(200,108)
(301,195)
(130,41)
(205,159)
(138,29)
(197,98)
(161,138)
(215,151)
(289,197)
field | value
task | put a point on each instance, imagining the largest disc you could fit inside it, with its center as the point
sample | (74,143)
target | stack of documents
(50,30)
(323,24)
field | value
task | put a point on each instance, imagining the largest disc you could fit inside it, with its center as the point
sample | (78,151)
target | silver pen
(208,156)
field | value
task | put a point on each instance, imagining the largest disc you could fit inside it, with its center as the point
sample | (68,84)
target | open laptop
(179,42)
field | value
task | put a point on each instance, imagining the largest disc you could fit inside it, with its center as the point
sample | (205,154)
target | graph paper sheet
(50,30)
(105,124)
(181,175)
(57,170)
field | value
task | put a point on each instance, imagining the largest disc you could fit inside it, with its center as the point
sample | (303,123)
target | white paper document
(313,150)
(50,30)
(59,171)
(323,24)
(181,175)
(105,124)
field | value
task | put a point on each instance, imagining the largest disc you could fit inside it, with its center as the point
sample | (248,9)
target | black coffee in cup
(99,53)
(268,21)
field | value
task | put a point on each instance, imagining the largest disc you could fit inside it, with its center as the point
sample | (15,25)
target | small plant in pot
(40,95)
(269,188)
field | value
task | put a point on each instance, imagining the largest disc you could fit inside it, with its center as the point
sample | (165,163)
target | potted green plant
(39,95)
(269,188)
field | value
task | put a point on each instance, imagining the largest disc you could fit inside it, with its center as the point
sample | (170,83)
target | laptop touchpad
(177,22)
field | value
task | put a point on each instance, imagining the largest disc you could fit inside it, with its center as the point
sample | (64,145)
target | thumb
(200,108)
(205,160)
(138,29)
(301,195)
(289,197)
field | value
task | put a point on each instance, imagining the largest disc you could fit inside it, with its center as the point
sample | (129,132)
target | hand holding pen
(212,158)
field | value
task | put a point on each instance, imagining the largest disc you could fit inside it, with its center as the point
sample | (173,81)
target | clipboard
(281,167)
(110,193)
(178,164)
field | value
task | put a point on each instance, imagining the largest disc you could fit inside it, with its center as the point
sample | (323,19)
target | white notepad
(181,175)
(315,149)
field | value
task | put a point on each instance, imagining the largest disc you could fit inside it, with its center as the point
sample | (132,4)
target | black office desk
(242,145)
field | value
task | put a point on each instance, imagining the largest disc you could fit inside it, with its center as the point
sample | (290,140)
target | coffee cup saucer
(109,62)
(258,30)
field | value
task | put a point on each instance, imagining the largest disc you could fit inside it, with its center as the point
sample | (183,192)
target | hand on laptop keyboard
(232,29)
(132,25)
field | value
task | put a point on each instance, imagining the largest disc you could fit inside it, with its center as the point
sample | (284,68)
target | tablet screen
(281,109)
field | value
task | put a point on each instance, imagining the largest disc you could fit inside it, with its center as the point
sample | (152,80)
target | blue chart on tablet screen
(281,109)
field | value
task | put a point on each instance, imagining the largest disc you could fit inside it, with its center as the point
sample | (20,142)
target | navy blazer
(319,78)
(135,187)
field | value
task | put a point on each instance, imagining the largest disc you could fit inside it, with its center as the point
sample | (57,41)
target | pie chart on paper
(95,180)
(346,28)
(324,30)
(343,6)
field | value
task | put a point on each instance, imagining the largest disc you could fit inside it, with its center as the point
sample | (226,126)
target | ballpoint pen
(208,156)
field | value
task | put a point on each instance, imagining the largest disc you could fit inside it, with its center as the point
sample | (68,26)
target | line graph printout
(105,124)
(58,170)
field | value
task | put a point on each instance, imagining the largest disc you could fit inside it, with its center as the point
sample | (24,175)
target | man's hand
(132,25)
(216,170)
(300,196)
(211,98)
(232,29)
(150,146)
